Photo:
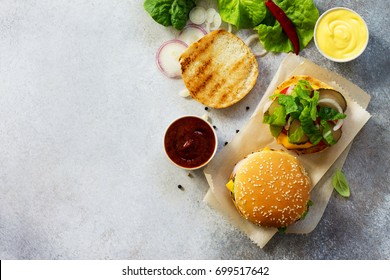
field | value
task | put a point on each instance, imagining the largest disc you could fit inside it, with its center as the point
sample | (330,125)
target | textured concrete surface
(83,175)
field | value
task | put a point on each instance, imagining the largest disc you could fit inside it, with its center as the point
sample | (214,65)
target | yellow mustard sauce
(341,34)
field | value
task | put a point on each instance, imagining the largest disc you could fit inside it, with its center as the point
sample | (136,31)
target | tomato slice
(284,91)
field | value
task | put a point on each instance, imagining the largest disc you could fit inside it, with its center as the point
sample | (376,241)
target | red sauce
(189,142)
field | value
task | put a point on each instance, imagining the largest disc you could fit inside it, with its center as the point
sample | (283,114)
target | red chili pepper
(286,24)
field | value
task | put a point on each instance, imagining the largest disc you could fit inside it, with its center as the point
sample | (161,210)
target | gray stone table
(83,174)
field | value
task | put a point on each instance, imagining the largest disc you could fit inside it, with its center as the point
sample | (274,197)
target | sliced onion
(226,26)
(207,27)
(339,122)
(261,51)
(229,27)
(198,15)
(288,123)
(216,23)
(237,167)
(184,93)
(290,90)
(332,102)
(338,125)
(210,14)
(167,58)
(191,33)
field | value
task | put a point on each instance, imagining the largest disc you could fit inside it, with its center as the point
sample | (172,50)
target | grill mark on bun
(233,67)
(202,86)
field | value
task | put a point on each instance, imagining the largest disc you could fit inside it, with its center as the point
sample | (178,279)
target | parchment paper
(255,135)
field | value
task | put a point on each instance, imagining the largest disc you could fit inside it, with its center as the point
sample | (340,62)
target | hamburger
(270,188)
(219,69)
(305,114)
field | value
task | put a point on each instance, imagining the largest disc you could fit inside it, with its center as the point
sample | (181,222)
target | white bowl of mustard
(341,34)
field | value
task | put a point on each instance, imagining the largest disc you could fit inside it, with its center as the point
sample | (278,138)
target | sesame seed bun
(271,188)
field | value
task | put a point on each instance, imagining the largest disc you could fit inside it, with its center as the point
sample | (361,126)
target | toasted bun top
(271,188)
(219,69)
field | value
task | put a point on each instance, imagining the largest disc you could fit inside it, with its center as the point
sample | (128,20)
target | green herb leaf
(159,10)
(330,114)
(169,12)
(308,204)
(340,184)
(179,12)
(282,229)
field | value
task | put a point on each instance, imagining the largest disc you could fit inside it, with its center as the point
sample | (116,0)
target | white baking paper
(255,135)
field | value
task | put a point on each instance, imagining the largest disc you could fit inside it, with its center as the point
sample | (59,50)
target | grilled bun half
(270,188)
(305,114)
(219,69)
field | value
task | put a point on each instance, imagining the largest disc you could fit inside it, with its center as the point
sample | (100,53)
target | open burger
(270,188)
(305,114)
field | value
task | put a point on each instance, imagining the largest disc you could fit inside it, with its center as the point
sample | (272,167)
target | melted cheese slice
(230,185)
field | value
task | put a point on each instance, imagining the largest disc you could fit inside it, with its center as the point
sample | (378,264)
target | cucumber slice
(295,133)
(273,106)
(275,130)
(328,98)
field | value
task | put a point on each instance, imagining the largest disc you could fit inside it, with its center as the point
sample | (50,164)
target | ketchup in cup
(190,142)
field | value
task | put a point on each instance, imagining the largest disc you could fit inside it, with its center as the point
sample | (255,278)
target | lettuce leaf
(303,13)
(289,102)
(303,90)
(330,114)
(327,133)
(308,126)
(277,118)
(242,13)
(313,105)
